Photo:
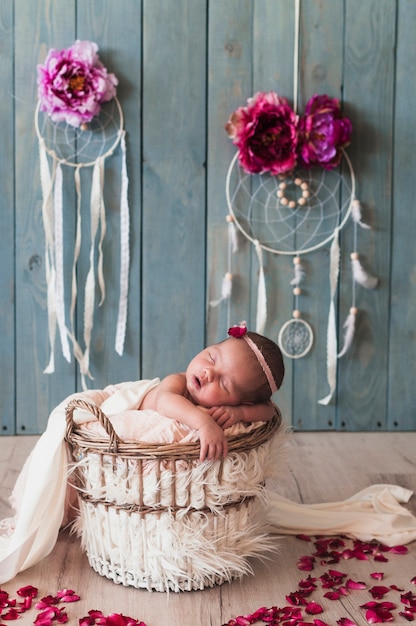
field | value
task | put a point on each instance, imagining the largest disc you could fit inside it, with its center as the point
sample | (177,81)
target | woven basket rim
(141,449)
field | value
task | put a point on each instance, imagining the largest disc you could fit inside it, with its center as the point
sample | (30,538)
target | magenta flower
(323,132)
(73,83)
(265,133)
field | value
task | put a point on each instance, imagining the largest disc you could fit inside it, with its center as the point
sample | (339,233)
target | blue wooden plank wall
(183,67)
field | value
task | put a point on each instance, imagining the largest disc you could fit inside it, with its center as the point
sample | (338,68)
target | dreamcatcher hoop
(86,147)
(275,214)
(73,135)
(290,215)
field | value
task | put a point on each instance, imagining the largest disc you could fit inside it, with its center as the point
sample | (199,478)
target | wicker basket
(154,517)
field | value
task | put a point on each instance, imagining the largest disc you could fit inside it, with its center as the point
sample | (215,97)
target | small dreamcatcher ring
(295,338)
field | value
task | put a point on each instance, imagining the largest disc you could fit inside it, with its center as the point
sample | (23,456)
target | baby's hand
(226,416)
(214,443)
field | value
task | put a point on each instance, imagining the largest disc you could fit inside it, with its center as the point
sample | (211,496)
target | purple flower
(265,133)
(72,84)
(323,132)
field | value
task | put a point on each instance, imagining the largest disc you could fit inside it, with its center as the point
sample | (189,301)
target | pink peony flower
(72,84)
(265,133)
(323,132)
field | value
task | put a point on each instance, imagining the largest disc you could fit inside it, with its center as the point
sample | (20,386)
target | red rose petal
(27,592)
(352,584)
(313,608)
(378,591)
(407,615)
(399,550)
(11,614)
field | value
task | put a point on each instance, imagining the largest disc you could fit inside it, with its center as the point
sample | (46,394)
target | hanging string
(296,56)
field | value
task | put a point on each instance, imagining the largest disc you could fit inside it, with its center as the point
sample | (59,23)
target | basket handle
(78,403)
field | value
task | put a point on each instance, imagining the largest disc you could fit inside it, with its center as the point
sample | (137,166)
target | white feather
(349,326)
(361,276)
(226,288)
(299,274)
(356,214)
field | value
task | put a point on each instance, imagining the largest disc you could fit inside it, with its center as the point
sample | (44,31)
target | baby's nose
(209,374)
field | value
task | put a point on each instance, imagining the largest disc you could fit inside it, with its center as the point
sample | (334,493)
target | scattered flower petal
(67,595)
(27,591)
(313,608)
(407,615)
(399,550)
(378,591)
(306,563)
(11,614)
(352,584)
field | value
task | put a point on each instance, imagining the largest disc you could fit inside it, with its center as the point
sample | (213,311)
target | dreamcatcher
(79,124)
(290,190)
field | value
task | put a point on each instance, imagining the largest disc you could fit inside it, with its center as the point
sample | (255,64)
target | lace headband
(239,332)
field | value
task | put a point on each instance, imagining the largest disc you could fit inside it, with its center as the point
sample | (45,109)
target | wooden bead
(280,193)
(304,186)
(353,310)
(297,291)
(292,204)
(282,185)
(296,260)
(354,256)
(305,194)
(298,181)
(229,218)
(302,201)
(296,314)
(284,201)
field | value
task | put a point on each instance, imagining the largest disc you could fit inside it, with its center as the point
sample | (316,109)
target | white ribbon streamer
(332,348)
(261,318)
(89,298)
(46,180)
(59,261)
(124,253)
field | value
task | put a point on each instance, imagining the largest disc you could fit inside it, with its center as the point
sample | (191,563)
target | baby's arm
(169,399)
(226,416)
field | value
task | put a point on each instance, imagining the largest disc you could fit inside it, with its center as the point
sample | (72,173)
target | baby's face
(220,374)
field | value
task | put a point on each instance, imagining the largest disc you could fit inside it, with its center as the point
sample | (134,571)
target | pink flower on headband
(237,331)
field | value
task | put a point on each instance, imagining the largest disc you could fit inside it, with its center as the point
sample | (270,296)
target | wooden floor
(321,467)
